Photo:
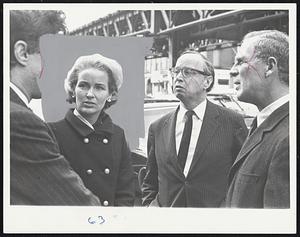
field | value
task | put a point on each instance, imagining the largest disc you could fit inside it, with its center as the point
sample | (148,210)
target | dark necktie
(186,138)
(253,126)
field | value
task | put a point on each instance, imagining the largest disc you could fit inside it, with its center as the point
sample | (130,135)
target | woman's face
(91,92)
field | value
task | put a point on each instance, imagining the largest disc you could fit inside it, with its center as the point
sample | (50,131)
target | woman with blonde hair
(95,147)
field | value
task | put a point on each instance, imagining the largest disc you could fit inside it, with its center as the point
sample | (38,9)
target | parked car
(139,161)
(248,111)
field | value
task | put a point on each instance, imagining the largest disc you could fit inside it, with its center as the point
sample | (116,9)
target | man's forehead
(246,50)
(191,60)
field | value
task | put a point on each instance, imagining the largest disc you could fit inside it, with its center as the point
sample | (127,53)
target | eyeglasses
(186,72)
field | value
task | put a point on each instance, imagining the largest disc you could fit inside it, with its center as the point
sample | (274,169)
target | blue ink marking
(91,221)
(100,220)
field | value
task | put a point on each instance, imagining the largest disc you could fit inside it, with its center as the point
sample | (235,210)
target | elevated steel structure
(175,29)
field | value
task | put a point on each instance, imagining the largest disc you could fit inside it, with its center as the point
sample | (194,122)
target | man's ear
(207,82)
(271,66)
(21,54)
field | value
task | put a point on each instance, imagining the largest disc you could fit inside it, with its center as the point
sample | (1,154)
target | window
(223,81)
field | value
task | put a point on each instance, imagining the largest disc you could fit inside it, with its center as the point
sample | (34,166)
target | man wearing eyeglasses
(191,149)
(259,177)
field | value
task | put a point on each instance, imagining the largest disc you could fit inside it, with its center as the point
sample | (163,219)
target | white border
(54,219)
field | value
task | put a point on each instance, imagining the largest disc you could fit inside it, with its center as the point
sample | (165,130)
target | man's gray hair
(272,43)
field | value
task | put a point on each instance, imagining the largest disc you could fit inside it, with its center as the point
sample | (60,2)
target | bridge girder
(175,29)
(226,24)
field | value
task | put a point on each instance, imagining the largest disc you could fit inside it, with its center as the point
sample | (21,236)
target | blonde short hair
(99,62)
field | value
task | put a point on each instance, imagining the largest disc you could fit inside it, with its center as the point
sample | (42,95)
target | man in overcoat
(259,178)
(39,174)
(191,149)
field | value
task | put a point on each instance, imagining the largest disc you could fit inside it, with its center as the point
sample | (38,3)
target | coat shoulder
(58,124)
(281,131)
(227,113)
(17,108)
(157,124)
(23,116)
(117,129)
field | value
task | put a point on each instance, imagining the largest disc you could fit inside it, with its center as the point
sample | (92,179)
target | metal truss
(200,24)
(176,30)
(130,23)
(121,23)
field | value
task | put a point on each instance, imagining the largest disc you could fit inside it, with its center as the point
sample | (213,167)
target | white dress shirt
(19,93)
(197,123)
(265,113)
(78,115)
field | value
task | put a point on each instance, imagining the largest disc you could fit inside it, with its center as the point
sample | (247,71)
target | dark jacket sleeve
(125,185)
(150,184)
(40,175)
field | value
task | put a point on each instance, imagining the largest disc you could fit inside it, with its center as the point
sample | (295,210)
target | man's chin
(178,95)
(242,97)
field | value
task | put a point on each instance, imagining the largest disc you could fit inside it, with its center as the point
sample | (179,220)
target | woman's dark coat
(101,157)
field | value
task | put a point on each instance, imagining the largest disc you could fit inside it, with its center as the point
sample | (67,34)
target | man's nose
(178,79)
(233,72)
(179,76)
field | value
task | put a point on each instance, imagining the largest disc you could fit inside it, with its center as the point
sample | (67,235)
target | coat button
(86,140)
(107,171)
(89,171)
(105,203)
(105,141)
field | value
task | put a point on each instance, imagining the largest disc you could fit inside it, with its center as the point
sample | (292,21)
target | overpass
(174,30)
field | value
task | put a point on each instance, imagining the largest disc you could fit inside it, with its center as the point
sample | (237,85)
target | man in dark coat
(191,149)
(39,174)
(259,178)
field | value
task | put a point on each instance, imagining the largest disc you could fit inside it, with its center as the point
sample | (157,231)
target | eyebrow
(100,84)
(84,81)
(238,57)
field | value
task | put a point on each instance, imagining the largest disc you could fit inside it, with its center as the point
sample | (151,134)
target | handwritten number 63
(96,220)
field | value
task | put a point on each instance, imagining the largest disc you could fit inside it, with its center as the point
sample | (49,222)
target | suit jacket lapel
(170,139)
(257,136)
(250,143)
(209,126)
